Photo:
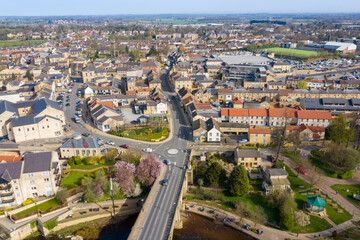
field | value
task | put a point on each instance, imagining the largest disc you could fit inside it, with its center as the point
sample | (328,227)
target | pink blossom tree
(148,170)
(124,175)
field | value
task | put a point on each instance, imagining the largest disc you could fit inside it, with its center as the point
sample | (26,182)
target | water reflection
(198,227)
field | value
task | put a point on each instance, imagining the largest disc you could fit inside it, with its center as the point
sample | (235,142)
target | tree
(61,196)
(148,170)
(29,75)
(340,132)
(215,174)
(124,175)
(137,54)
(200,182)
(284,201)
(258,215)
(95,187)
(340,159)
(302,85)
(238,182)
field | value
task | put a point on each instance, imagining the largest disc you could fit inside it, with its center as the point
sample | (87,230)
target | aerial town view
(157,120)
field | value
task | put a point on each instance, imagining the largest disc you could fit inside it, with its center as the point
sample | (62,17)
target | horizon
(42,8)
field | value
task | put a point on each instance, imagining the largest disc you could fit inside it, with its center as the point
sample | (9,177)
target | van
(77,119)
(165,182)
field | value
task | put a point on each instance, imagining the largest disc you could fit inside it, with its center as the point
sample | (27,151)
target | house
(248,157)
(260,136)
(307,133)
(31,120)
(314,118)
(80,146)
(106,118)
(275,179)
(199,131)
(37,175)
(213,131)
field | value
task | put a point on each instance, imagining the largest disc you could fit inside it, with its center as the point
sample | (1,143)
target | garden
(149,134)
(44,207)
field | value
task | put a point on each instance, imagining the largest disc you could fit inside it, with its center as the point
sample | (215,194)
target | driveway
(129,114)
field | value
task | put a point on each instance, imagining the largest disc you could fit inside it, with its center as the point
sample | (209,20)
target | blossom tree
(124,175)
(148,170)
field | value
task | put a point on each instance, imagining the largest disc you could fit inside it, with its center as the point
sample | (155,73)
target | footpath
(269,233)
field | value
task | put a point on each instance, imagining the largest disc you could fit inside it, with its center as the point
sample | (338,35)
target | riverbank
(234,221)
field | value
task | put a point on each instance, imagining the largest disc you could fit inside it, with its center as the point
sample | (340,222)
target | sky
(113,7)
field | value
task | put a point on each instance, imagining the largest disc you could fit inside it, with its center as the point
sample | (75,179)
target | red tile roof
(8,159)
(307,114)
(258,112)
(260,131)
(238,112)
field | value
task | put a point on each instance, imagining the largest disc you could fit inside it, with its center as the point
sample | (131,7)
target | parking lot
(129,114)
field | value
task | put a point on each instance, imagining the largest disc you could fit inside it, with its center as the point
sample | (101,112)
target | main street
(162,212)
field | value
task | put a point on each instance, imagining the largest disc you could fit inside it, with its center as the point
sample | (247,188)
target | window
(46,179)
(19,129)
(48,186)
(30,175)
(14,181)
(45,173)
(32,181)
(33,188)
(16,188)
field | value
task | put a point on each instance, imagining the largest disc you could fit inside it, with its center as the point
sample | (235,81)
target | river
(199,227)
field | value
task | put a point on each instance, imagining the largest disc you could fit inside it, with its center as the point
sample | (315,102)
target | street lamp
(112,196)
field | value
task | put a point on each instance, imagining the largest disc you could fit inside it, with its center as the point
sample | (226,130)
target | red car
(124,146)
(73,84)
(302,170)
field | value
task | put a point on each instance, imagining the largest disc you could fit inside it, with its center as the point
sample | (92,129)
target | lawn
(352,189)
(44,207)
(316,225)
(74,179)
(293,52)
(11,43)
(87,167)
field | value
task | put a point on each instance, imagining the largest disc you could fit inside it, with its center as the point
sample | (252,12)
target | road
(160,217)
(162,212)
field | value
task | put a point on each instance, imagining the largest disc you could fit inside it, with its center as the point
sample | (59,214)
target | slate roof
(10,171)
(84,142)
(247,153)
(6,106)
(37,162)
(277,172)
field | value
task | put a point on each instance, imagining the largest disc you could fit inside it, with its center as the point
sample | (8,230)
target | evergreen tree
(238,182)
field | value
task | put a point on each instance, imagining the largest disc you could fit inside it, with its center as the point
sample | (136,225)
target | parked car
(147,150)
(110,143)
(242,141)
(301,170)
(86,134)
(124,146)
(99,139)
(166,161)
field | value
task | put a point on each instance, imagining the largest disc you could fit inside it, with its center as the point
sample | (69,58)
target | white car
(147,150)
(110,143)
(242,141)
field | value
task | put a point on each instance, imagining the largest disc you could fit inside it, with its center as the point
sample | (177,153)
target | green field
(15,43)
(286,52)
(74,179)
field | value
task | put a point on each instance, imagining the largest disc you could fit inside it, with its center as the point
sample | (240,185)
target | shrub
(28,201)
(33,224)
(94,160)
(61,196)
(347,175)
(86,160)
(71,161)
(51,224)
(77,160)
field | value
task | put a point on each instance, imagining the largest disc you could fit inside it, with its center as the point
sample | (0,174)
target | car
(165,182)
(110,143)
(73,84)
(79,113)
(300,169)
(242,141)
(68,104)
(166,161)
(99,139)
(86,134)
(147,150)
(124,146)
